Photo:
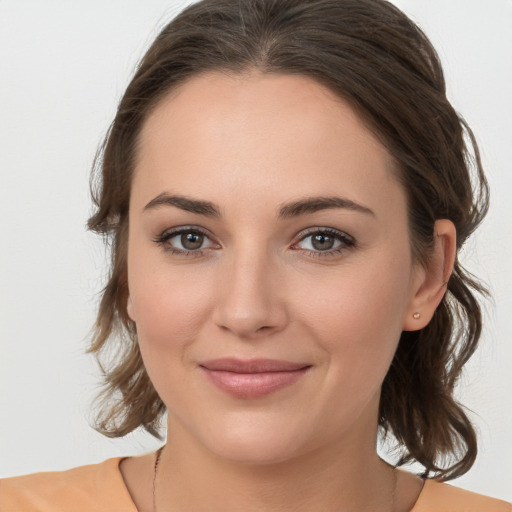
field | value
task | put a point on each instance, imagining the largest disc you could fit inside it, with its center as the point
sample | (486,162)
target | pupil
(323,242)
(191,241)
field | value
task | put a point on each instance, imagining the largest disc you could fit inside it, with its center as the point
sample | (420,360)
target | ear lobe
(430,283)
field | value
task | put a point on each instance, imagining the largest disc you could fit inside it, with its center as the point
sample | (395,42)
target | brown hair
(373,56)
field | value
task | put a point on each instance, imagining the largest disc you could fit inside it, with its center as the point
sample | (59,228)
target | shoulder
(91,488)
(441,497)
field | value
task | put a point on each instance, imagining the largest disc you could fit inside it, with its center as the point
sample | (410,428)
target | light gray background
(63,67)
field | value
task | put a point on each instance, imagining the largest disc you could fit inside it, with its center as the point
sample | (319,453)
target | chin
(250,442)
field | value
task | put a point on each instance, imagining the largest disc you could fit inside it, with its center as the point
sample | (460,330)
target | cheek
(170,308)
(167,306)
(169,302)
(356,317)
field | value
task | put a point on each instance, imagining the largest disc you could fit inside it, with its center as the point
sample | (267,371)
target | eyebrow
(315,204)
(294,209)
(184,203)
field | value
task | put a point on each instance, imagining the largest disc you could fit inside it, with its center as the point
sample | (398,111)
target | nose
(252,299)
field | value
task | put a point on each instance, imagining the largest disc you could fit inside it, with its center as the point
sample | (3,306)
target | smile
(253,378)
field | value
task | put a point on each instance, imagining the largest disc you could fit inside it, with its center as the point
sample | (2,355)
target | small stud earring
(416,316)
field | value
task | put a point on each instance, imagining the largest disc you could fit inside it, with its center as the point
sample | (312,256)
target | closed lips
(252,366)
(252,379)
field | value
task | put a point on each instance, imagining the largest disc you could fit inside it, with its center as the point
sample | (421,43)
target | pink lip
(253,378)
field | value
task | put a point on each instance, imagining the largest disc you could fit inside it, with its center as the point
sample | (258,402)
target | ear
(430,282)
(129,309)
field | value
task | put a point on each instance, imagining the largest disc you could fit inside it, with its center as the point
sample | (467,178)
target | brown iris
(191,241)
(322,242)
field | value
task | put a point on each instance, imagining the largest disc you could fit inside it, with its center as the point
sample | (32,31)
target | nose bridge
(250,301)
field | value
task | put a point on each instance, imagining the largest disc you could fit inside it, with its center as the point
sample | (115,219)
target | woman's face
(266,223)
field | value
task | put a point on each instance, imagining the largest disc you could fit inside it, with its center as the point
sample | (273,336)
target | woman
(287,188)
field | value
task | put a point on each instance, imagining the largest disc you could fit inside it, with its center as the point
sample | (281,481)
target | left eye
(324,241)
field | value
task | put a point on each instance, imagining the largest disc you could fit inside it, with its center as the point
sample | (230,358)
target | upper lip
(231,364)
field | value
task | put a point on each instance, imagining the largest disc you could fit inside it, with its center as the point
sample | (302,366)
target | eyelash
(163,240)
(346,241)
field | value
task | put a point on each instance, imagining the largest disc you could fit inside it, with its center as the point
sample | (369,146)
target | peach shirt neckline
(426,485)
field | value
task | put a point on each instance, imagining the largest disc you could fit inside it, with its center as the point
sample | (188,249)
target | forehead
(270,134)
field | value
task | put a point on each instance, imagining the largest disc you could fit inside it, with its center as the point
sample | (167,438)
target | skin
(259,288)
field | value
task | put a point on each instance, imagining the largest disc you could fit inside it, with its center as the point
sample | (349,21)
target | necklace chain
(155,472)
(160,450)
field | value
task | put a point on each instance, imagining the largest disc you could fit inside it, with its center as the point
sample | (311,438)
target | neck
(349,476)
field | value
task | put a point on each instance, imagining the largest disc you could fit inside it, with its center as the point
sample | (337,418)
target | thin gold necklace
(160,450)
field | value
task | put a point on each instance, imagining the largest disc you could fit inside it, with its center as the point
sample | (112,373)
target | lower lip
(253,385)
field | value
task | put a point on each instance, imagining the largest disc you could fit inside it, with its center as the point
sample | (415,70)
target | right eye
(185,241)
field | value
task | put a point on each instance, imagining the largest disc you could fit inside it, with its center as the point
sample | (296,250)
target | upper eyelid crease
(323,229)
(294,209)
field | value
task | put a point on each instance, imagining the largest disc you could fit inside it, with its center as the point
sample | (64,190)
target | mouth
(252,378)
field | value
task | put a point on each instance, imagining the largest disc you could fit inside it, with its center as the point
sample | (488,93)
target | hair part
(371,55)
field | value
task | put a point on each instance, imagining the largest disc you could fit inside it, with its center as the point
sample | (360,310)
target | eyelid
(170,233)
(324,229)
(347,241)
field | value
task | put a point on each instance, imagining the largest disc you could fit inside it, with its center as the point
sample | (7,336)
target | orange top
(101,488)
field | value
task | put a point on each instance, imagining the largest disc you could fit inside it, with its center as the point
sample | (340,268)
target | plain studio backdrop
(63,68)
